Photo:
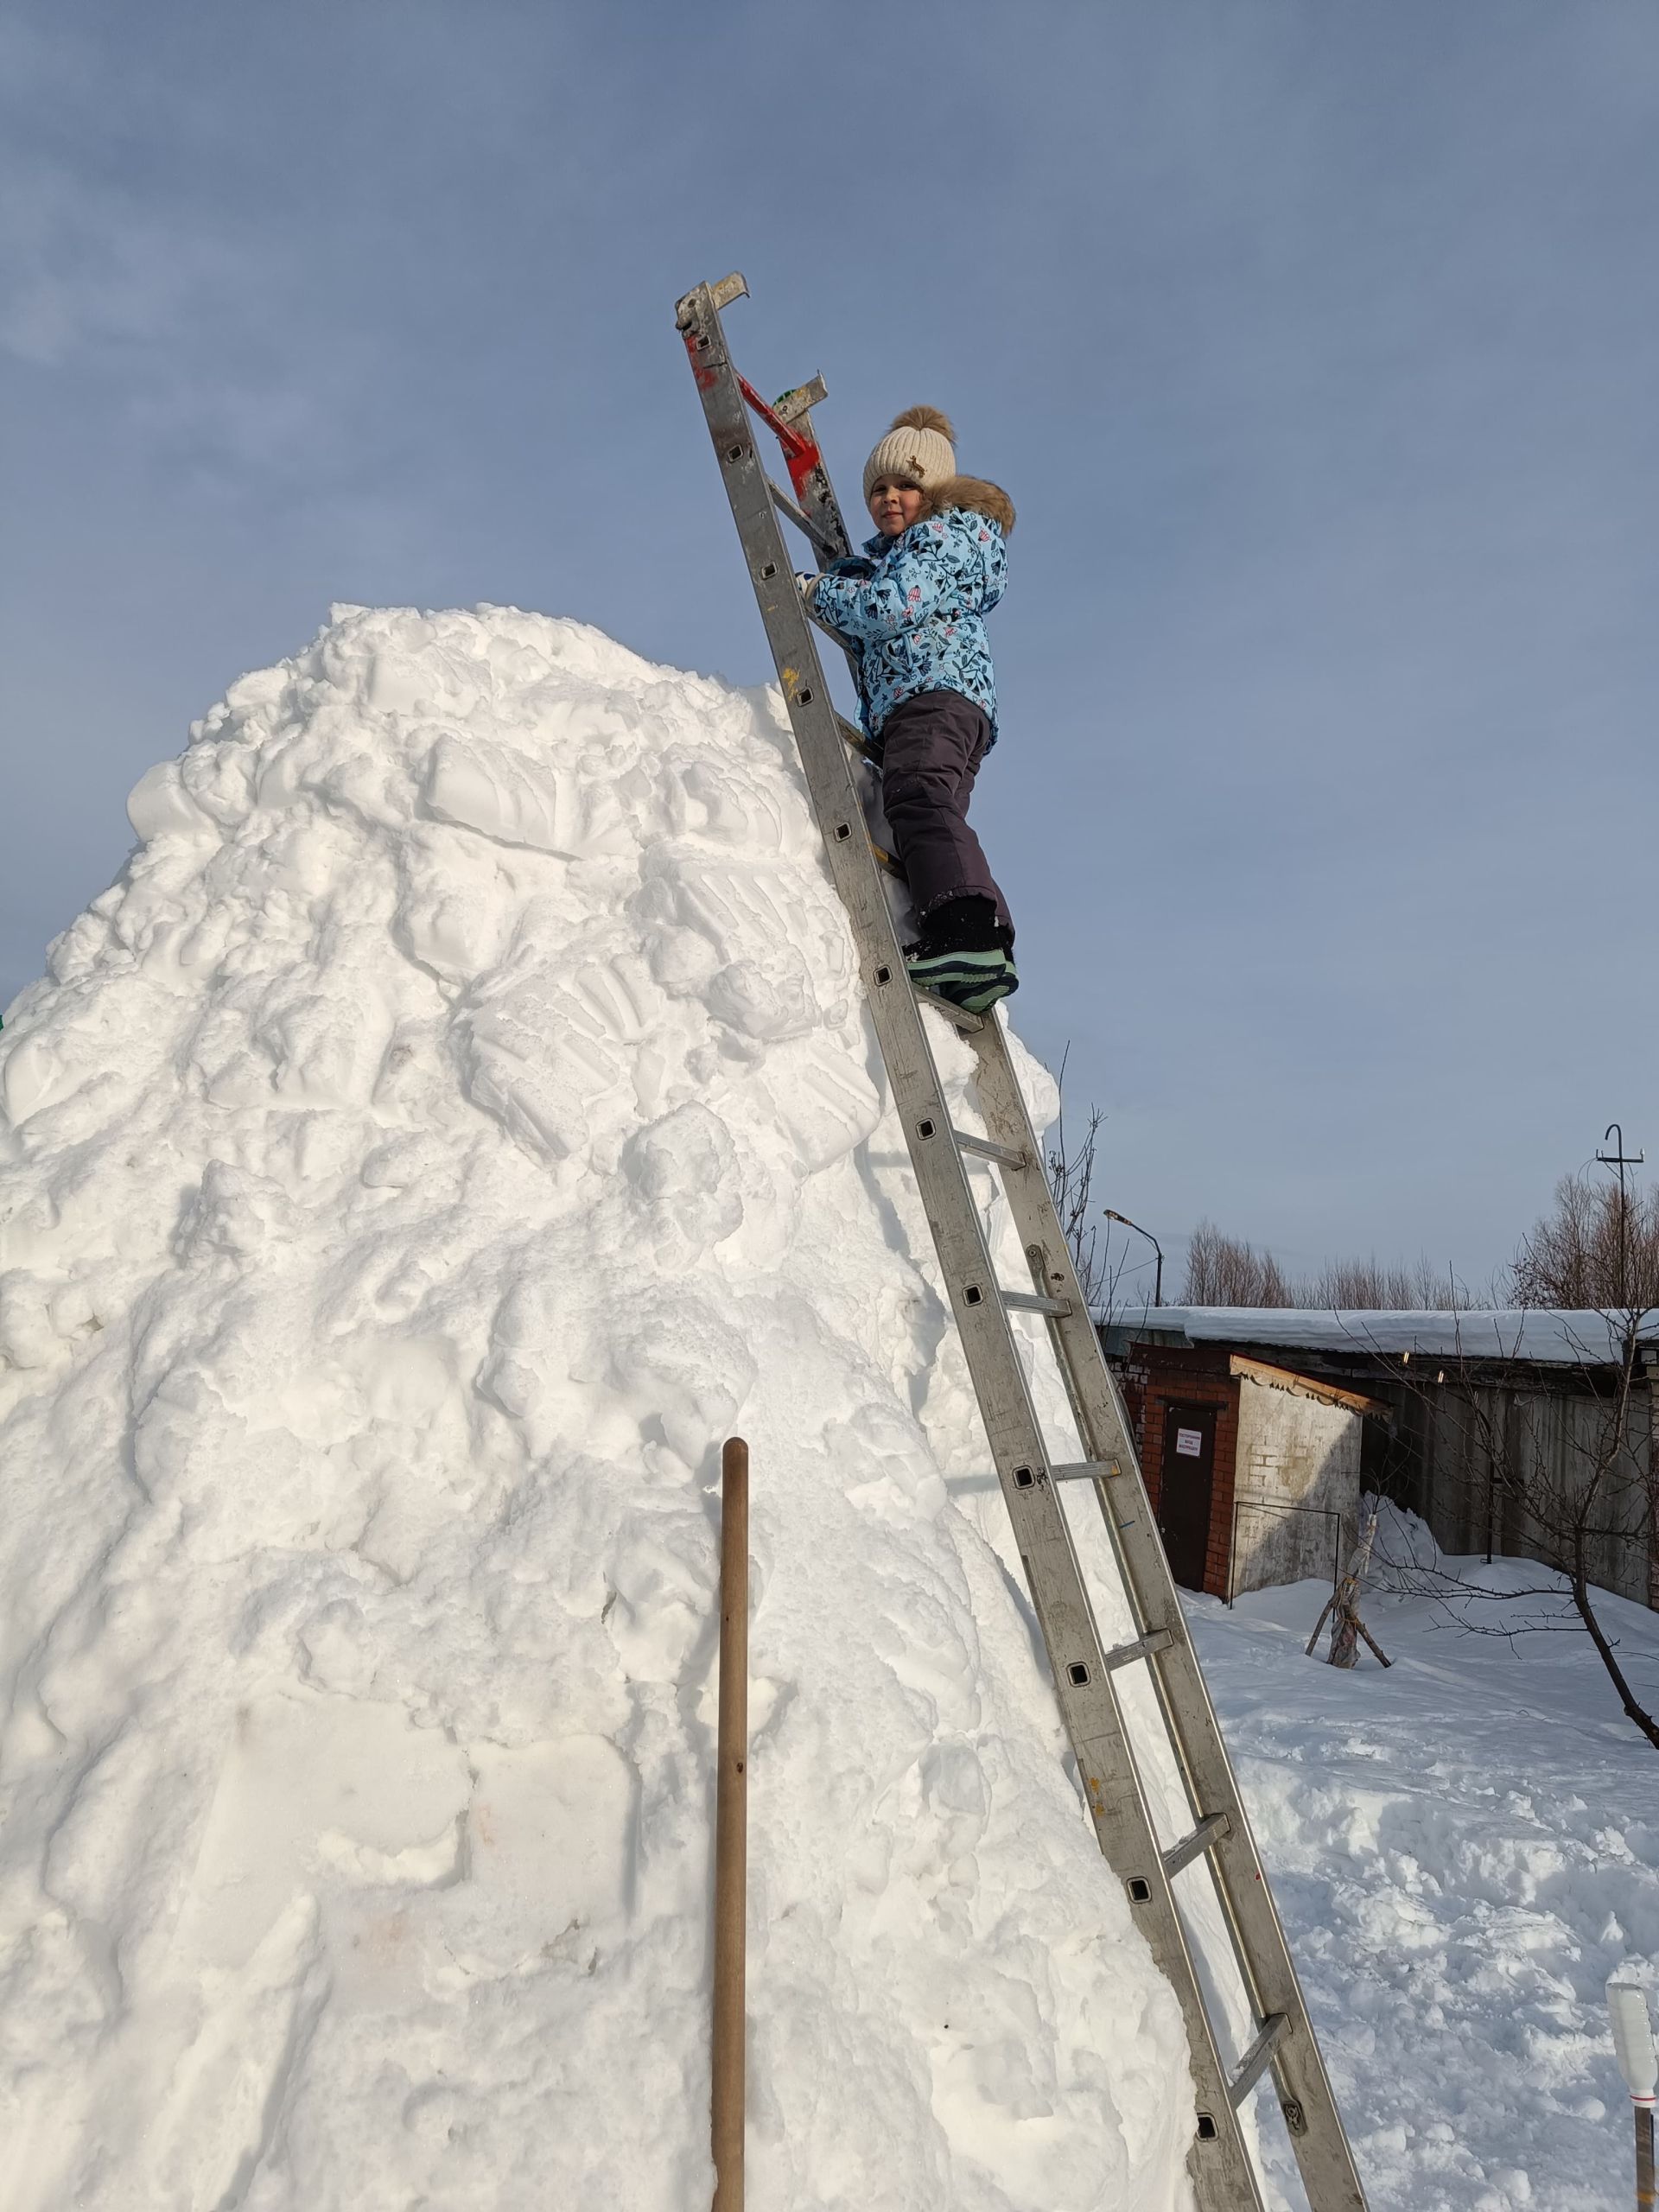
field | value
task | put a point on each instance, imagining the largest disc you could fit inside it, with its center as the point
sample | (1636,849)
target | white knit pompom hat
(920,447)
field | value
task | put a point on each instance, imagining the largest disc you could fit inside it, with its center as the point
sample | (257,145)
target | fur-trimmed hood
(977,495)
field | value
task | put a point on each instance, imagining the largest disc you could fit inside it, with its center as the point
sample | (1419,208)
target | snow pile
(1465,1847)
(459,1117)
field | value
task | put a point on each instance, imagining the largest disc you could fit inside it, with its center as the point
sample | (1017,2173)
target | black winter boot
(964,955)
(965,925)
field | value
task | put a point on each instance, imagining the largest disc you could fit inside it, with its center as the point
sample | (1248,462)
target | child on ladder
(913,608)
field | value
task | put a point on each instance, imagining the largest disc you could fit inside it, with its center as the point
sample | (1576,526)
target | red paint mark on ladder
(695,345)
(801,454)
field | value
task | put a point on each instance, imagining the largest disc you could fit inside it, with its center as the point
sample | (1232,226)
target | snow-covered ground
(1465,1847)
(459,1117)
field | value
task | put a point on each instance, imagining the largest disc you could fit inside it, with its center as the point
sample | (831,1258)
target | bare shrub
(1226,1271)
(1366,1285)
(1070,1181)
(1561,1493)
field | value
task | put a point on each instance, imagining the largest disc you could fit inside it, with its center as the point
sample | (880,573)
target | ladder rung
(1206,1833)
(794,404)
(882,857)
(957,1014)
(851,735)
(824,629)
(1125,1654)
(1027,1301)
(786,506)
(1085,1471)
(1250,2066)
(983,1148)
(719,295)
(820,545)
(788,509)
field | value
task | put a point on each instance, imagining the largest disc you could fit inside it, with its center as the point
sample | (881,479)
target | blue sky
(1318,344)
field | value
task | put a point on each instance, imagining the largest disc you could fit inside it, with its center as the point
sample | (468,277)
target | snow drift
(457,1119)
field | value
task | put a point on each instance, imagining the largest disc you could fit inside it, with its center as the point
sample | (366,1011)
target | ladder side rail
(789,629)
(1223,2172)
(1257,1934)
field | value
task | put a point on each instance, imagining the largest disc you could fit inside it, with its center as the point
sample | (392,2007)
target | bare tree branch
(1575,1256)
(1071,1179)
(1556,1483)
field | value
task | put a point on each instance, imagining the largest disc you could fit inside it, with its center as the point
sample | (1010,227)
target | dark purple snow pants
(931,746)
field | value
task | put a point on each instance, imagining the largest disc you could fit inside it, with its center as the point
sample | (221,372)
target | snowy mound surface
(458,1118)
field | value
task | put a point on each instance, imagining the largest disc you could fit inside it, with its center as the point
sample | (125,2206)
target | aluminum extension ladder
(1222,2171)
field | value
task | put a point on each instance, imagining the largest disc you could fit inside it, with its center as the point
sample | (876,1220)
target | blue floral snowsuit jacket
(913,607)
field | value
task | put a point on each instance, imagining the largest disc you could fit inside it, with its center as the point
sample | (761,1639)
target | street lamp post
(1123,1219)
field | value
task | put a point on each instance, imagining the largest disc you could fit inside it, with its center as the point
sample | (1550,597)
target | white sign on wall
(1189,1442)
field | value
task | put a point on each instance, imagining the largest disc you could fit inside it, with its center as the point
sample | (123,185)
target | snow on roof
(1550,1336)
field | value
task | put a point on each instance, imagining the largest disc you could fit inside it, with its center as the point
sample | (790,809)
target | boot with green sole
(973,981)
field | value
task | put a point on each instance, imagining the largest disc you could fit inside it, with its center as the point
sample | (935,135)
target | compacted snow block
(459,1116)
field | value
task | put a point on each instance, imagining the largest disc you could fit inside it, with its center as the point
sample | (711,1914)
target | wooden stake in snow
(731,1827)
(1639,2062)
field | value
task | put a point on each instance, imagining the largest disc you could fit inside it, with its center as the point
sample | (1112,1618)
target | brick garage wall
(1295,1451)
(1157,1376)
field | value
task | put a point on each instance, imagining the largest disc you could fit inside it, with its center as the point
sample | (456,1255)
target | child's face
(894,504)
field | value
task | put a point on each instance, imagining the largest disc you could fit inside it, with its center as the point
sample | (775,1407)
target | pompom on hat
(920,447)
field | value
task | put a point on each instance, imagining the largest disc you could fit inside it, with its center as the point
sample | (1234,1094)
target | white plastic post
(1638,2062)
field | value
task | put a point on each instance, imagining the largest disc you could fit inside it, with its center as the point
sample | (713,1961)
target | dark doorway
(1185,1489)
